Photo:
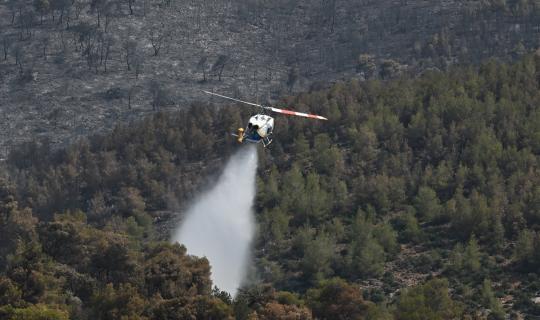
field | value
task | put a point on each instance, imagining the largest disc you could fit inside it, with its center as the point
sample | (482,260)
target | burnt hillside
(71,67)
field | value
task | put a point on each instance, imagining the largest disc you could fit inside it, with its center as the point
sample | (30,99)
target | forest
(418,199)
(70,68)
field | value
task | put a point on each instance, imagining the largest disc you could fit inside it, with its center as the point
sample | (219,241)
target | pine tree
(471,256)
(491,302)
(427,203)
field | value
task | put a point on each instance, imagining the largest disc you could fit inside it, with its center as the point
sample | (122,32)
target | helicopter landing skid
(265,141)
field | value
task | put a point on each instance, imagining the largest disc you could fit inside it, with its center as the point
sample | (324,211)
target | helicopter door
(267,126)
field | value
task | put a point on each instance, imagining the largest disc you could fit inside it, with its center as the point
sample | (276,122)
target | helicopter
(260,126)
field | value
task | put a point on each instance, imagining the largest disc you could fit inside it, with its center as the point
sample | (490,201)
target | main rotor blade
(233,99)
(282,111)
(298,114)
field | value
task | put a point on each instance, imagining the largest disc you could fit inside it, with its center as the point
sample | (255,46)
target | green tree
(390,69)
(277,222)
(66,238)
(294,197)
(318,256)
(471,256)
(387,237)
(169,272)
(275,310)
(301,146)
(124,303)
(367,258)
(327,158)
(455,259)
(33,312)
(491,302)
(427,203)
(268,189)
(336,299)
(318,201)
(112,260)
(526,249)
(10,294)
(408,228)
(26,268)
(430,301)
(130,203)
(366,255)
(366,64)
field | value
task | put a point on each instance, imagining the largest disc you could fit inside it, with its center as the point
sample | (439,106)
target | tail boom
(298,114)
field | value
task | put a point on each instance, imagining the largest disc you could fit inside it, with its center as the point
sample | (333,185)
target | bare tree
(43,7)
(91,44)
(7,41)
(292,78)
(106,46)
(131,93)
(130,50)
(219,65)
(202,65)
(45,41)
(96,6)
(329,13)
(138,63)
(14,6)
(108,13)
(160,96)
(100,7)
(144,6)
(130,6)
(62,6)
(158,34)
(19,55)
(92,58)
(79,6)
(86,36)
(68,15)
(26,22)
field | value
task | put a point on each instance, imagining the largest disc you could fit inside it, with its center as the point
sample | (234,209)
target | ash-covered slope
(69,68)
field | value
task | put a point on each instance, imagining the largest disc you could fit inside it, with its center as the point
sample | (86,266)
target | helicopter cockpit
(252,133)
(259,128)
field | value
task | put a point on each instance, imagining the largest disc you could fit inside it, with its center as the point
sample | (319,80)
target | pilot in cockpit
(252,132)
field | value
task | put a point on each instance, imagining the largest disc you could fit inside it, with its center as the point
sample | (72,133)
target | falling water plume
(220,223)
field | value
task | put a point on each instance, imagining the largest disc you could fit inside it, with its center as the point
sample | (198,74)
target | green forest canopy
(432,181)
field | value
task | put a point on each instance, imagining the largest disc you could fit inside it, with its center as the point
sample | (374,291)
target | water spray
(220,224)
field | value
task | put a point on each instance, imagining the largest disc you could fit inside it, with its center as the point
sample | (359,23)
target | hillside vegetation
(418,199)
(72,68)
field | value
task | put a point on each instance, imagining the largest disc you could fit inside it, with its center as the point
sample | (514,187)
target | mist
(220,223)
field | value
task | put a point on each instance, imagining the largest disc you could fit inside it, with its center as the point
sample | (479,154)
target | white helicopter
(260,126)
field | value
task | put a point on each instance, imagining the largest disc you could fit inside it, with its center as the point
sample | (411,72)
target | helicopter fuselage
(259,126)
(258,129)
